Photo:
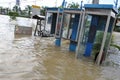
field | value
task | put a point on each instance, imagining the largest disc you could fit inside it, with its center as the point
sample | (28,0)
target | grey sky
(51,3)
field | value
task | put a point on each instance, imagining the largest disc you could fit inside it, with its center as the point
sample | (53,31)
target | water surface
(24,57)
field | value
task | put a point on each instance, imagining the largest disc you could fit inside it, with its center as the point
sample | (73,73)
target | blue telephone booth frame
(97,11)
(76,22)
(75,26)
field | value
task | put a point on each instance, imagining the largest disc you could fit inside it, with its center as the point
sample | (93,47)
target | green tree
(73,5)
(117,28)
(118,12)
(16,8)
(42,11)
(13,15)
(28,8)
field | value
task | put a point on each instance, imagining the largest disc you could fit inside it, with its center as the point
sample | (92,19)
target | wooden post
(79,38)
(80,20)
(111,35)
(103,41)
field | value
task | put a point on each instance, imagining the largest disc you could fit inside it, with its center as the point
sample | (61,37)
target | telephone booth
(96,29)
(68,27)
(71,26)
(51,19)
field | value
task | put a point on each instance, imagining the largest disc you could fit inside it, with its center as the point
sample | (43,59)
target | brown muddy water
(36,58)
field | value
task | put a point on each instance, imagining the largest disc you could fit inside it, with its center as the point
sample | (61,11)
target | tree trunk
(95,1)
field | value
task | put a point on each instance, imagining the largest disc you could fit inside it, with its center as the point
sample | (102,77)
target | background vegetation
(28,9)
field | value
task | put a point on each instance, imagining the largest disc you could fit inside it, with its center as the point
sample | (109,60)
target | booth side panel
(54,18)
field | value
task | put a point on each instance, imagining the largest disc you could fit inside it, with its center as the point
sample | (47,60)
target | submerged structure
(89,30)
(64,23)
(69,28)
(96,30)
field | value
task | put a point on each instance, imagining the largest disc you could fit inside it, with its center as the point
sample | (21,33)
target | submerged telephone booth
(71,26)
(68,27)
(51,19)
(96,30)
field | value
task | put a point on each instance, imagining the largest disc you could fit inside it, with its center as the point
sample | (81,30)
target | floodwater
(36,58)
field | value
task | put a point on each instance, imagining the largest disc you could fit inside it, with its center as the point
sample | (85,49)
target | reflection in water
(36,58)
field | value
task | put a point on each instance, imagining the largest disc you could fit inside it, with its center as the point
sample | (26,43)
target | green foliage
(28,7)
(99,36)
(60,7)
(117,28)
(118,12)
(98,41)
(73,5)
(115,45)
(16,8)
(112,39)
(13,15)
(28,10)
(96,48)
(42,11)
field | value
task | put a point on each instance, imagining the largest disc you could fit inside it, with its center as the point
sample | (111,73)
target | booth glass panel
(99,34)
(48,21)
(72,16)
(58,25)
(84,35)
(67,26)
(99,37)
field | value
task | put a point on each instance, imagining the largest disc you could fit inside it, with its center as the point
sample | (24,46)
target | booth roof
(73,9)
(52,8)
(101,6)
(56,9)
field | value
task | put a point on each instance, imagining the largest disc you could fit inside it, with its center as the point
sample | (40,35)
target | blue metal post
(58,39)
(18,2)
(58,42)
(116,3)
(63,4)
(73,42)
